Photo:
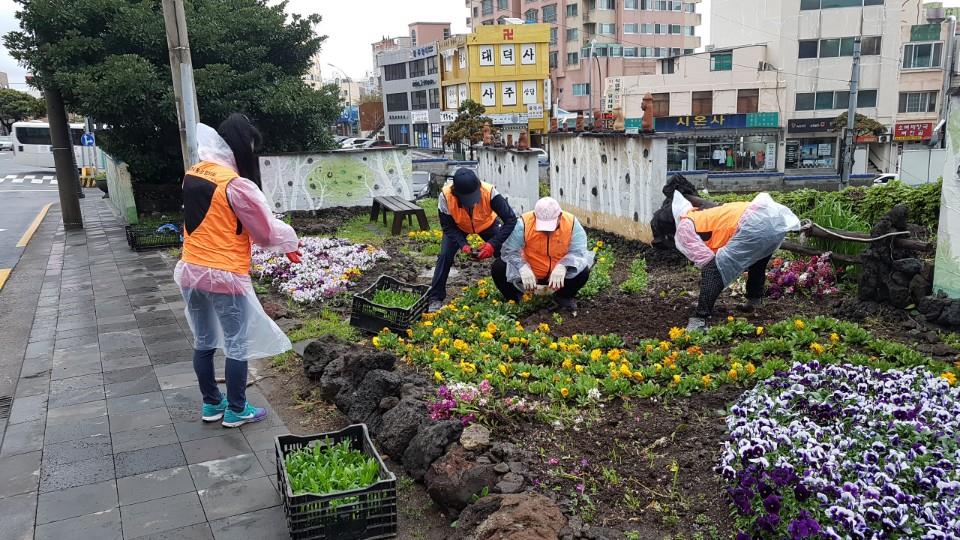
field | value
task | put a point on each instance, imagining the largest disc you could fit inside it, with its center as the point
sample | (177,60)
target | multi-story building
(591,40)
(314,75)
(411,95)
(389,44)
(349,90)
(428,32)
(505,68)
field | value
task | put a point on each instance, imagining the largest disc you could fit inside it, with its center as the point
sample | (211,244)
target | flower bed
(808,277)
(841,451)
(327,268)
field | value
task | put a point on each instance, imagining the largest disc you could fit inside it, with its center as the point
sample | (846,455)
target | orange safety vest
(544,250)
(212,235)
(483,215)
(721,222)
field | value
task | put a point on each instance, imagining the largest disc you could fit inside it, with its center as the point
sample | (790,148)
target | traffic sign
(87,139)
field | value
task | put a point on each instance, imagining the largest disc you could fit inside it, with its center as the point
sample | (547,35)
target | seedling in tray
(395,299)
(329,468)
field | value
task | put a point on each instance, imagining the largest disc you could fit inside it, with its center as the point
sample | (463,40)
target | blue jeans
(448,253)
(236,375)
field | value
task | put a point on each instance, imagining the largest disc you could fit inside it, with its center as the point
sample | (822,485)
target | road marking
(10,176)
(17,180)
(4,274)
(2,180)
(30,176)
(36,181)
(53,182)
(48,178)
(33,226)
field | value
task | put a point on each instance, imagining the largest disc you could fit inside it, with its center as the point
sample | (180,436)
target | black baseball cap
(466,186)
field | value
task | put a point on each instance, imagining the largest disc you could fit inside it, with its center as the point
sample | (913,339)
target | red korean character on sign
(508,34)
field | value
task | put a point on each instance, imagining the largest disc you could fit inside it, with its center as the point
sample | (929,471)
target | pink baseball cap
(547,212)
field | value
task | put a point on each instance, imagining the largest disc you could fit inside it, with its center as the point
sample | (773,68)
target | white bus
(31,144)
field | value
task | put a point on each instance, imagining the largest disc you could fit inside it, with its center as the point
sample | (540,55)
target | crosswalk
(29,179)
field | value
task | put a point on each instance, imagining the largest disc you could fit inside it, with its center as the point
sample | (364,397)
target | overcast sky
(351,26)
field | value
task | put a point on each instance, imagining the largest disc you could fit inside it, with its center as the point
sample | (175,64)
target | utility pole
(181,70)
(848,137)
(68,181)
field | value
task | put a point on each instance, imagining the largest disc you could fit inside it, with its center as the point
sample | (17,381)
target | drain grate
(5,403)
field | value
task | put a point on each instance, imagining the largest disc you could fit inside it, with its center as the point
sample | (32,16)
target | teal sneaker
(249,415)
(212,413)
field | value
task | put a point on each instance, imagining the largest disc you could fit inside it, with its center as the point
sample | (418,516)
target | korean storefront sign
(448,117)
(423,52)
(809,125)
(717,121)
(535,111)
(419,117)
(508,93)
(486,55)
(912,131)
(488,94)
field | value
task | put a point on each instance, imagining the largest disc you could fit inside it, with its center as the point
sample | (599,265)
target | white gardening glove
(557,276)
(528,277)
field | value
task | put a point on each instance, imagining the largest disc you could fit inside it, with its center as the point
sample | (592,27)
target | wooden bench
(401,208)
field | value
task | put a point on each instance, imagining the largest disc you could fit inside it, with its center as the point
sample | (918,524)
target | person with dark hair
(225,212)
(468,206)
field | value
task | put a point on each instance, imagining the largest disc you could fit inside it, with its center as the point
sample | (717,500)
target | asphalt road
(20,202)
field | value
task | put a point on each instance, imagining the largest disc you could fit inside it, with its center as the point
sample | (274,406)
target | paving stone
(266,524)
(39,349)
(27,409)
(123,353)
(66,370)
(219,472)
(179,380)
(174,344)
(200,531)
(184,404)
(75,502)
(120,340)
(136,402)
(88,338)
(76,383)
(19,474)
(157,317)
(17,517)
(77,473)
(36,368)
(144,384)
(126,362)
(75,397)
(127,375)
(155,485)
(229,444)
(161,515)
(76,429)
(139,419)
(103,525)
(33,385)
(174,369)
(191,431)
(238,498)
(264,439)
(121,326)
(77,450)
(94,409)
(22,438)
(171,357)
(138,439)
(150,459)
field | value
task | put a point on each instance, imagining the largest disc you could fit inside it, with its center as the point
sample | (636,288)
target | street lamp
(349,93)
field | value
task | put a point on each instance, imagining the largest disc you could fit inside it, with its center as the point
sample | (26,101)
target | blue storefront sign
(717,121)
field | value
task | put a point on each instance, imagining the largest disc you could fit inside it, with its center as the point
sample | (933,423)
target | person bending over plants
(547,251)
(723,241)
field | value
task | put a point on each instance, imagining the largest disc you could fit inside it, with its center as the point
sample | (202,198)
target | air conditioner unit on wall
(883,139)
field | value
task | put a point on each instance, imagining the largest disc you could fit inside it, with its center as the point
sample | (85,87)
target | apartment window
(690,8)
(721,62)
(550,13)
(646,28)
(632,28)
(668,66)
(395,72)
(829,48)
(434,94)
(431,65)
(446,33)
(922,55)
(629,52)
(503,4)
(553,35)
(417,68)
(607,29)
(675,29)
(531,15)
(553,59)
(827,4)
(571,10)
(866,99)
(661,5)
(397,102)
(573,34)
(918,102)
(418,100)
(748,100)
(486,7)
(600,51)
(616,51)
(413,36)
(582,89)
(810,101)
(870,46)
(476,12)
(661,105)
(833,48)
(676,5)
(630,4)
(702,103)
(573,58)
(689,31)
(606,4)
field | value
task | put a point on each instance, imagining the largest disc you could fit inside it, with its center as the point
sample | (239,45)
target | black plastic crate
(368,514)
(372,317)
(141,238)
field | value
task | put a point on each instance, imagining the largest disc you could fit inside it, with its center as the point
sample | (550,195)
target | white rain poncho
(760,232)
(578,258)
(222,308)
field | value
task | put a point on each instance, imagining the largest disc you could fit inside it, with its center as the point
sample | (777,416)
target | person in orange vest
(723,241)
(547,251)
(225,212)
(468,206)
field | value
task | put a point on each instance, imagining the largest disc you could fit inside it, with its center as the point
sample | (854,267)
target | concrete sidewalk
(100,435)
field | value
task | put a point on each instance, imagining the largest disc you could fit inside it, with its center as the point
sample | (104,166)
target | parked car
(6,142)
(884,179)
(543,159)
(347,142)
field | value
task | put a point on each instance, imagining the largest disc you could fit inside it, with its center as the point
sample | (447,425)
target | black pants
(571,286)
(448,254)
(711,285)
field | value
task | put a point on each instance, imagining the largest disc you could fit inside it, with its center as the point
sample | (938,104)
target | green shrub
(637,282)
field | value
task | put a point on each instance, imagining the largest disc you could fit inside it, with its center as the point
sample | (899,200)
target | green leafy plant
(328,468)
(600,273)
(468,126)
(637,282)
(16,106)
(395,299)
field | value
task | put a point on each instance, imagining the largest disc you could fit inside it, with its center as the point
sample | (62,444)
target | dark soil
(324,222)
(630,449)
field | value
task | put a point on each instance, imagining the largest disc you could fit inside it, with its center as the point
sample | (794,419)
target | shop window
(399,133)
(395,72)
(661,105)
(702,103)
(918,102)
(748,100)
(418,100)
(922,55)
(582,89)
(721,62)
(808,48)
(397,102)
